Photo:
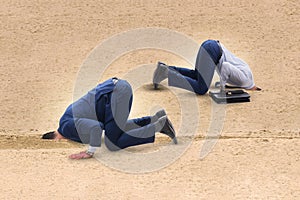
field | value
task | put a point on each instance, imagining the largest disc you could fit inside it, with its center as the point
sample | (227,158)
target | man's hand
(256,88)
(81,155)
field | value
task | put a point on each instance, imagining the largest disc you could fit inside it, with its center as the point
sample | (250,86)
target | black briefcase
(230,96)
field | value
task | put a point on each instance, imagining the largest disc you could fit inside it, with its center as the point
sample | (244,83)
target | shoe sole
(174,139)
(157,66)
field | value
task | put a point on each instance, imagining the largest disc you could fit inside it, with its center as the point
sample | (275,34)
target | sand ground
(44,43)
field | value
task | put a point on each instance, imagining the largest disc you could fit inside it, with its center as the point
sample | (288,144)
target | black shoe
(160,74)
(168,130)
(160,113)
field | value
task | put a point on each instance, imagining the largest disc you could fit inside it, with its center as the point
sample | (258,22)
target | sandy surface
(44,43)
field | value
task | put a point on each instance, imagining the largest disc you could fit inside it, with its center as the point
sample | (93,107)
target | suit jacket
(85,117)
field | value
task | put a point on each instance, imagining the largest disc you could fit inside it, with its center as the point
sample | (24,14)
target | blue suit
(198,80)
(106,107)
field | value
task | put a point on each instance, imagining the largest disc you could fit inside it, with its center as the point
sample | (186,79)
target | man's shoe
(158,116)
(160,74)
(168,130)
(160,113)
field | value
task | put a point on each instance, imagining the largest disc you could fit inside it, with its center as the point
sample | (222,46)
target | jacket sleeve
(90,129)
(224,74)
(235,76)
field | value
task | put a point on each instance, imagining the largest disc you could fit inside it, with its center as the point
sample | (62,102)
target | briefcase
(230,96)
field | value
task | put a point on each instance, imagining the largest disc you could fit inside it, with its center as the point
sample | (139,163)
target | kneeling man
(107,107)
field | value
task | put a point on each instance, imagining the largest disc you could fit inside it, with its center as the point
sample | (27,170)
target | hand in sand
(81,155)
(256,88)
